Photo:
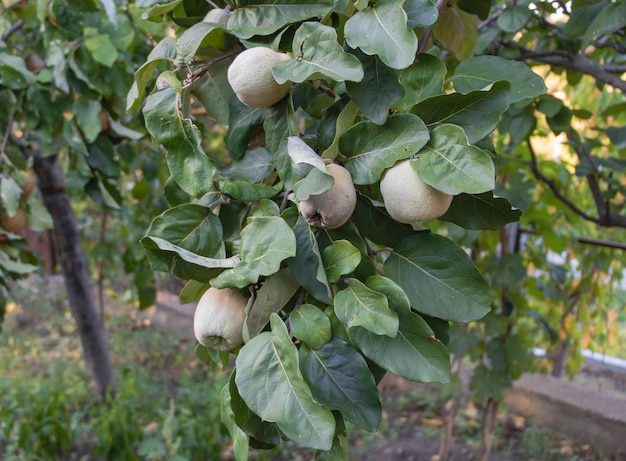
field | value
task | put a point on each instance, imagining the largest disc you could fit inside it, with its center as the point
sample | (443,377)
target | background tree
(65,74)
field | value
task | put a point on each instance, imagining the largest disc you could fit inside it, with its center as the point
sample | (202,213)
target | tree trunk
(76,273)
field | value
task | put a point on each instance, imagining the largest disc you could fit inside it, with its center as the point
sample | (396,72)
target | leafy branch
(605,217)
(603,73)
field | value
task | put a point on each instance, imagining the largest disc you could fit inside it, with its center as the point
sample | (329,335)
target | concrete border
(582,412)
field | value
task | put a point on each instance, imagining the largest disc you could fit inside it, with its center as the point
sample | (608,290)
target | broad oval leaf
(482,211)
(477,112)
(200,35)
(480,72)
(190,167)
(310,325)
(318,56)
(274,294)
(341,380)
(382,30)
(422,80)
(269,381)
(357,305)
(340,258)
(167,257)
(265,17)
(421,13)
(255,166)
(214,92)
(414,354)
(377,91)
(372,148)
(265,243)
(375,223)
(439,278)
(396,297)
(307,267)
(246,192)
(449,164)
(190,226)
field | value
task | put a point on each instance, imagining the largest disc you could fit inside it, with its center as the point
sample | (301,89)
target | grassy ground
(167,407)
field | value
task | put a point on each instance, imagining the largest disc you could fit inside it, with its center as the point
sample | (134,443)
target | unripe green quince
(333,208)
(250,76)
(408,199)
(219,318)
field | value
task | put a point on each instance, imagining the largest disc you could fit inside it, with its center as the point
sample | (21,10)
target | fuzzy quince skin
(333,208)
(219,318)
(408,199)
(250,76)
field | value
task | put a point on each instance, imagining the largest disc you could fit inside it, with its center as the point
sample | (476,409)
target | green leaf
(578,23)
(264,435)
(448,163)
(345,119)
(10,193)
(396,297)
(414,353)
(310,325)
(189,226)
(340,380)
(514,18)
(357,305)
(167,257)
(269,381)
(243,121)
(15,267)
(377,91)
(483,211)
(481,72)
(477,112)
(266,242)
(372,148)
(14,73)
(307,267)
(246,192)
(610,20)
(214,92)
(421,13)
(318,56)
(376,225)
(382,30)
(274,294)
(352,234)
(422,80)
(255,166)
(164,51)
(280,123)
(200,36)
(264,17)
(315,178)
(87,116)
(189,165)
(192,291)
(340,257)
(439,278)
(239,437)
(102,49)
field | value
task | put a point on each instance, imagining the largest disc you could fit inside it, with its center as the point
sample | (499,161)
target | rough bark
(75,270)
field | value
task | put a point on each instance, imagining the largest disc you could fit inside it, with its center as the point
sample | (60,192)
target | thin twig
(283,204)
(428,32)
(553,187)
(206,66)
(14,28)
(577,62)
(11,5)
(5,137)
